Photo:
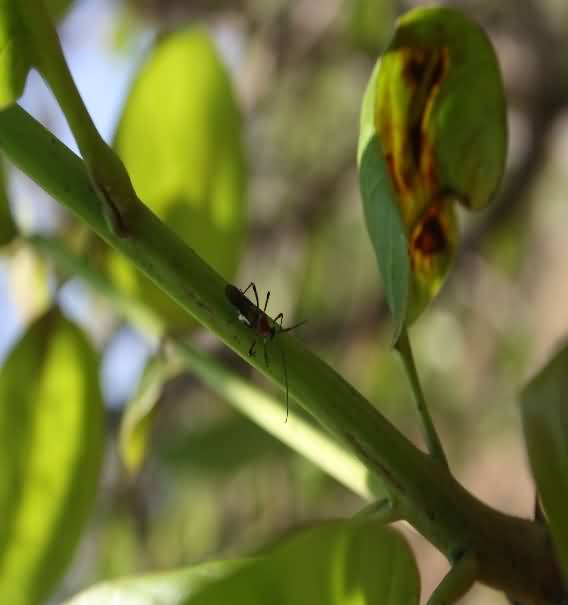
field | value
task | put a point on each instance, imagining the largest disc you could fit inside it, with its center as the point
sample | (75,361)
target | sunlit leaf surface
(138,417)
(51,435)
(180,138)
(339,563)
(170,588)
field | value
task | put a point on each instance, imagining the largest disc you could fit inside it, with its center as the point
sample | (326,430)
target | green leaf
(138,417)
(15,59)
(545,422)
(441,111)
(8,231)
(336,563)
(51,435)
(440,115)
(382,215)
(172,588)
(339,563)
(180,138)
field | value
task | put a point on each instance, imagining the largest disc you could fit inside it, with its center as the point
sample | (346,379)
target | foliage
(157,229)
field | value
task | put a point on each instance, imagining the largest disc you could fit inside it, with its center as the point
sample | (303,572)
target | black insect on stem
(257,320)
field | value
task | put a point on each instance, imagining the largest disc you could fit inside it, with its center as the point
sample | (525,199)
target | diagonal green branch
(512,555)
(302,436)
(107,172)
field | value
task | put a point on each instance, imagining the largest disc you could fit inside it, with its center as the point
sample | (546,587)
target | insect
(258,320)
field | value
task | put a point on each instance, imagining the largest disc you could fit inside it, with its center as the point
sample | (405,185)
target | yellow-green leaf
(440,117)
(138,417)
(180,138)
(15,58)
(51,435)
(29,282)
(336,563)
(441,112)
(339,563)
(544,406)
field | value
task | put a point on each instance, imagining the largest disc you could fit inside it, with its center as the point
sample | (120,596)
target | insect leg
(301,323)
(253,286)
(266,301)
(279,318)
(252,348)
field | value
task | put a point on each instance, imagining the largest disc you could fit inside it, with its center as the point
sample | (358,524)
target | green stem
(513,555)
(107,172)
(384,510)
(457,582)
(433,442)
(301,435)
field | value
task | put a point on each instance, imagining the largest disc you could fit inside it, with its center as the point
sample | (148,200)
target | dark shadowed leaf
(544,406)
(180,138)
(382,215)
(51,435)
(223,448)
(58,8)
(8,229)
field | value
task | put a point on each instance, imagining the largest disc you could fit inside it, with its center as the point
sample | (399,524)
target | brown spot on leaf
(415,141)
(430,238)
(414,65)
(392,171)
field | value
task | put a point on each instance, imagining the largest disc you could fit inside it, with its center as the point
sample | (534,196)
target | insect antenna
(285,371)
(280,318)
(301,323)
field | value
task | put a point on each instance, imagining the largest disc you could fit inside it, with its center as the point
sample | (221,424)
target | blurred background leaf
(138,417)
(170,588)
(180,138)
(358,563)
(29,282)
(337,563)
(51,431)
